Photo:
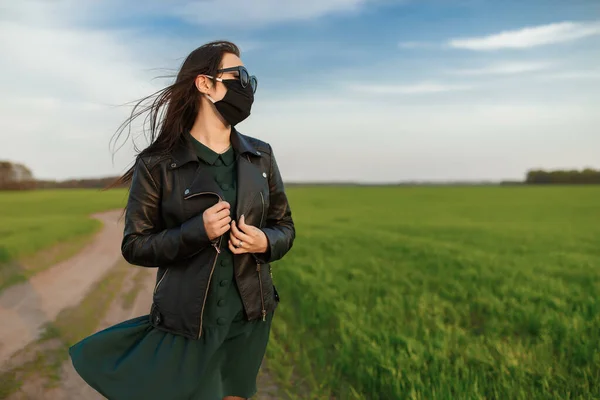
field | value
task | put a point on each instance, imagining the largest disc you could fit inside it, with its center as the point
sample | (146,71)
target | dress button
(173,165)
(221,321)
(223,263)
(264,174)
(221,303)
(224,282)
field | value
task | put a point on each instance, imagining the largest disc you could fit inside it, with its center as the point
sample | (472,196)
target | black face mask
(237,102)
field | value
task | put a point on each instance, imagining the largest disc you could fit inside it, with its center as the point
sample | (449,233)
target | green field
(414,292)
(443,293)
(41,219)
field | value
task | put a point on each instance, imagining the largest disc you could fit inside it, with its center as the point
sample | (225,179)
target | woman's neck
(211,132)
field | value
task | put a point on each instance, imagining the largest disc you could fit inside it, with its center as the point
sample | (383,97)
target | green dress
(133,360)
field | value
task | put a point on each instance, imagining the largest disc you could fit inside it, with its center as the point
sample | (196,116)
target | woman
(207,209)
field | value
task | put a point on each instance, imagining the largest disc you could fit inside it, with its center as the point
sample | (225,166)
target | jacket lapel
(203,183)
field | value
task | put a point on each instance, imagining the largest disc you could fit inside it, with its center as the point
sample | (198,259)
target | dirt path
(72,386)
(26,307)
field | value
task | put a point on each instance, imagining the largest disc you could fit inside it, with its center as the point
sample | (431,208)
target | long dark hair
(174,108)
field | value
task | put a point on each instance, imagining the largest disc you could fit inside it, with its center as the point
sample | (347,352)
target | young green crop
(442,293)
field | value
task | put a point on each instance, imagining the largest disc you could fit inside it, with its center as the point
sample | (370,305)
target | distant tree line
(88,183)
(15,176)
(586,176)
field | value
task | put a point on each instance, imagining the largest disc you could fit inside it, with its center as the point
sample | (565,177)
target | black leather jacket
(164,229)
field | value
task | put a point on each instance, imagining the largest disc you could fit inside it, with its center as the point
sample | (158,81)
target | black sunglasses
(245,77)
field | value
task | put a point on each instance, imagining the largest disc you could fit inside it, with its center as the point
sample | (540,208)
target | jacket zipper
(189,196)
(161,279)
(216,246)
(216,243)
(262,297)
(262,210)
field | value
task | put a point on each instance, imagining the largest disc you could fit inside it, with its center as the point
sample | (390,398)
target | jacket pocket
(160,281)
(268,298)
(255,212)
(263,210)
(166,288)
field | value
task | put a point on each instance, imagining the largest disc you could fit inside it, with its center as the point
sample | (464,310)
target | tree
(586,176)
(15,176)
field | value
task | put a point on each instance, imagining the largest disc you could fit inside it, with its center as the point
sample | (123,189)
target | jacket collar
(241,144)
(184,151)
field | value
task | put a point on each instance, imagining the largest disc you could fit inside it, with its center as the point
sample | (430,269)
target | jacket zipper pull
(264,315)
(216,246)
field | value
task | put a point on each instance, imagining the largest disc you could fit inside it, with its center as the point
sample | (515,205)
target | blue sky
(352,90)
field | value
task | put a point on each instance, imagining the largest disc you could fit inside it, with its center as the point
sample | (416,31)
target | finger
(222,231)
(222,205)
(243,226)
(232,248)
(239,234)
(222,214)
(236,240)
(249,230)
(236,250)
(213,217)
(216,233)
(224,224)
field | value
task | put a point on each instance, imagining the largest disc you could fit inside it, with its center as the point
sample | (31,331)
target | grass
(43,359)
(441,293)
(419,292)
(39,228)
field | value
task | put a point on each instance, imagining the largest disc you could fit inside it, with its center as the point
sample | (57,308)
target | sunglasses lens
(253,83)
(244,78)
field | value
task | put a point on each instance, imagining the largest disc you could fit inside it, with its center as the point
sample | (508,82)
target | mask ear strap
(211,99)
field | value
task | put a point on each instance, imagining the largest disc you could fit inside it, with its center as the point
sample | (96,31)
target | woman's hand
(246,238)
(217,219)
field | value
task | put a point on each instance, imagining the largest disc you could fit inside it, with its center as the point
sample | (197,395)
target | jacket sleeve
(279,228)
(144,242)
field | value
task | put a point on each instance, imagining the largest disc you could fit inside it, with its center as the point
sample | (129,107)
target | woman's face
(217,90)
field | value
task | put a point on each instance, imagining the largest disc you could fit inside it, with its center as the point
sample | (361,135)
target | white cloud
(260,12)
(60,86)
(410,89)
(530,36)
(505,68)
